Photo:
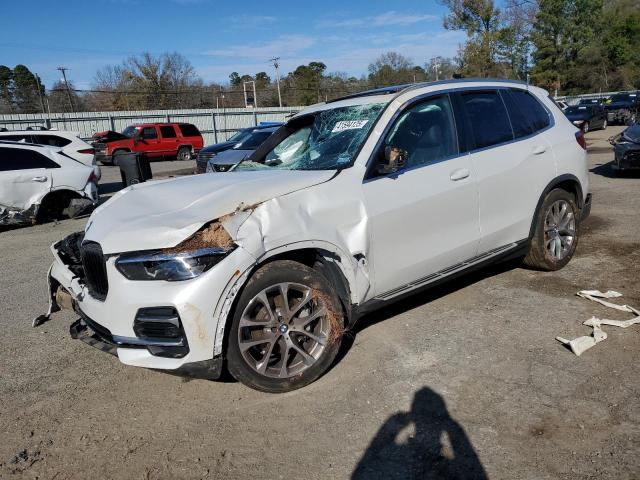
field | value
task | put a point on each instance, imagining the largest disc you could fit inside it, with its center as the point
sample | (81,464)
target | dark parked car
(626,146)
(238,146)
(622,108)
(591,101)
(587,117)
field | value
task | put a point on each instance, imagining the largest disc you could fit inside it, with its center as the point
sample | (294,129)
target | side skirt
(501,254)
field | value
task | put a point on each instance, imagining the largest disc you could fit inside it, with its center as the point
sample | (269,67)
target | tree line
(565,46)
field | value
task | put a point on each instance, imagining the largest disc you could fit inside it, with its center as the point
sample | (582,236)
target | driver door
(424,217)
(148,142)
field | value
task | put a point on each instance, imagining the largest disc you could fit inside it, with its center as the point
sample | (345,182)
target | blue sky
(217,36)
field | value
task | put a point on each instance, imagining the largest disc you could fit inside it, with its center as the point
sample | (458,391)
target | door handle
(459,174)
(39,179)
(538,149)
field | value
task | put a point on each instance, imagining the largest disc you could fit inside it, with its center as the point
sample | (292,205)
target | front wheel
(286,329)
(585,127)
(605,124)
(555,234)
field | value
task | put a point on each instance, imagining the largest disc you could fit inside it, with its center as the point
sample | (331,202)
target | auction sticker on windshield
(343,125)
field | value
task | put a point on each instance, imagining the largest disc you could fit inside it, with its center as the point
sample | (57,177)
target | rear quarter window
(524,104)
(188,130)
(53,140)
(22,159)
(487,118)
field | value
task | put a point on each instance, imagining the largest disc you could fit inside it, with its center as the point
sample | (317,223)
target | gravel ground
(465,381)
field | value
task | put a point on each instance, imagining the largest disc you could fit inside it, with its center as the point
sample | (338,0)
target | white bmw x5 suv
(352,204)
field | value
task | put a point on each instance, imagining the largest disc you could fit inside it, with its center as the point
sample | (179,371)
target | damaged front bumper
(116,323)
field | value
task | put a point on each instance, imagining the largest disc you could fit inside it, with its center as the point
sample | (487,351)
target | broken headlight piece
(171,267)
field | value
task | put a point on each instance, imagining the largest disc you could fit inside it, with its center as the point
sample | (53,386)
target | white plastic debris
(581,344)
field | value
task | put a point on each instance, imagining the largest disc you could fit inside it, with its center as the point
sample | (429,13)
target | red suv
(156,140)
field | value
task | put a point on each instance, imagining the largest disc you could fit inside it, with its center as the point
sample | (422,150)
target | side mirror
(394,159)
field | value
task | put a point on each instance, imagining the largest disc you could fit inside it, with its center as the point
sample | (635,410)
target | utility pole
(435,62)
(275,60)
(246,99)
(40,92)
(64,75)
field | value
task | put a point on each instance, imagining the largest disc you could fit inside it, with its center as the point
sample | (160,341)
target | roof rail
(411,86)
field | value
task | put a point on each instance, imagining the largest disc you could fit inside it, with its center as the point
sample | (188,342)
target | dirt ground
(465,381)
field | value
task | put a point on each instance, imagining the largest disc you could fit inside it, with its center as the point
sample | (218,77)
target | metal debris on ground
(581,344)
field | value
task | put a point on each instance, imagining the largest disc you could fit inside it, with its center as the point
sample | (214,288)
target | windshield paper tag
(343,125)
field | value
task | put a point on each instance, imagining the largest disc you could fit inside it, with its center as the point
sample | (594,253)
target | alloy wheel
(284,330)
(559,229)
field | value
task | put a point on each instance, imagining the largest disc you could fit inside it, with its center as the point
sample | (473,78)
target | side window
(426,132)
(188,130)
(167,131)
(52,140)
(487,118)
(149,132)
(17,138)
(255,140)
(23,159)
(531,109)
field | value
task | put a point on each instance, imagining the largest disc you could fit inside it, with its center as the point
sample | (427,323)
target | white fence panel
(216,125)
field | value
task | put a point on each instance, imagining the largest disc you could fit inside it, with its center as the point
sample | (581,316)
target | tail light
(92,178)
(581,140)
(89,151)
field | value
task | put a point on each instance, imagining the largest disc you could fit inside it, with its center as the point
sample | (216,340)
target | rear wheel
(286,329)
(555,234)
(184,154)
(605,124)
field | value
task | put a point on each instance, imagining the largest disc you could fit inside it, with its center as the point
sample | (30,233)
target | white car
(351,205)
(38,183)
(70,143)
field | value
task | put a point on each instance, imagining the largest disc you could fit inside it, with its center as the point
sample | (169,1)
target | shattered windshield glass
(129,132)
(329,140)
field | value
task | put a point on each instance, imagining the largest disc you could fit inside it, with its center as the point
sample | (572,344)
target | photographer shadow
(436,447)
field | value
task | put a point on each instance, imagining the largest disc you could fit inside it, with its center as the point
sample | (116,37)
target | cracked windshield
(330,142)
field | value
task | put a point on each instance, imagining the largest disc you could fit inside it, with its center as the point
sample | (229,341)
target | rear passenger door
(504,129)
(169,139)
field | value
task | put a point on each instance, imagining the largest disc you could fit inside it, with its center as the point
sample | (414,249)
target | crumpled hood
(161,214)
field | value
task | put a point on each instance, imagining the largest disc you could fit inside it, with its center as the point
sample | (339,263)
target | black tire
(605,124)
(184,154)
(585,127)
(321,293)
(540,257)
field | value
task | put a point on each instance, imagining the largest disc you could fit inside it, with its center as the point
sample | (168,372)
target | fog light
(161,329)
(157,323)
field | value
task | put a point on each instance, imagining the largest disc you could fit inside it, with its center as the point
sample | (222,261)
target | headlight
(169,266)
(578,122)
